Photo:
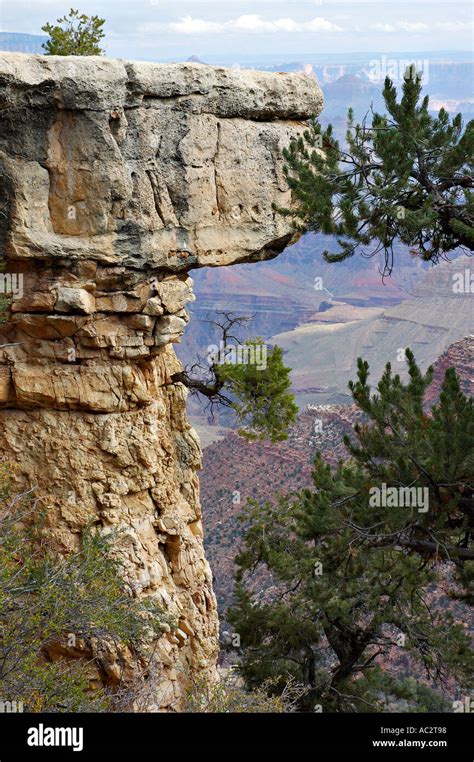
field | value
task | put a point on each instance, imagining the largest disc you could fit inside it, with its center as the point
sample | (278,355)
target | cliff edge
(116,179)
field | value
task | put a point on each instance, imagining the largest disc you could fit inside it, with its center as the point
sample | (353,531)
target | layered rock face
(116,179)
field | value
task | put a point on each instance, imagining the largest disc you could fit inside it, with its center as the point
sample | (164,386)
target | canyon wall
(117,179)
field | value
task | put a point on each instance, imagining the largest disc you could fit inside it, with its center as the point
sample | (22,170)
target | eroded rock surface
(116,179)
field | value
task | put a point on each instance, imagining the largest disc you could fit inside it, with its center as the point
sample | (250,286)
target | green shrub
(48,601)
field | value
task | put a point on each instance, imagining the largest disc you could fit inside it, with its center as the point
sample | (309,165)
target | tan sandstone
(117,178)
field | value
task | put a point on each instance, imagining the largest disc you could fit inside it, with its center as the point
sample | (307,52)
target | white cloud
(419,26)
(252,23)
(287,25)
(416,27)
(321,25)
(382,27)
(407,26)
(454,26)
(189,25)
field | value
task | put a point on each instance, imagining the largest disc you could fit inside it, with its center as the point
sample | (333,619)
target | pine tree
(405,177)
(247,377)
(74,35)
(347,577)
(262,400)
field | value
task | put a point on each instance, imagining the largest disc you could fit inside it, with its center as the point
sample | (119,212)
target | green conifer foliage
(349,577)
(74,35)
(406,177)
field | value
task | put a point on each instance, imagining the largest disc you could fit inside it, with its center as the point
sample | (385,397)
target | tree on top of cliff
(353,561)
(74,35)
(250,378)
(405,177)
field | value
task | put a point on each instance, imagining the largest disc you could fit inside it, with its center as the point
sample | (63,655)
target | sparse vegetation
(49,601)
(228,695)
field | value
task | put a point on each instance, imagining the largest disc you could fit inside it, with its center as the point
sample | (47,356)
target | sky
(163,30)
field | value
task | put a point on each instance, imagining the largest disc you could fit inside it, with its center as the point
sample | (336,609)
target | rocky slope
(235,469)
(116,179)
(324,355)
(459,355)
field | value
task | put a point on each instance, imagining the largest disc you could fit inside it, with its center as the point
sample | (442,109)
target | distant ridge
(22,43)
(194,59)
(325,356)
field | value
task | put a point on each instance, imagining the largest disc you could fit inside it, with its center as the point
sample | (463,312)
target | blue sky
(160,29)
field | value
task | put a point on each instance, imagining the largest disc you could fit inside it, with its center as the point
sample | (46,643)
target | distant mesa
(22,43)
(195,59)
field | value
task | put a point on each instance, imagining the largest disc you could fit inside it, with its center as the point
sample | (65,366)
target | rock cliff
(116,179)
